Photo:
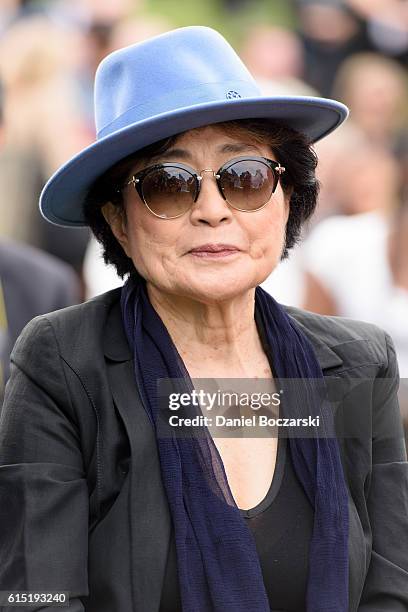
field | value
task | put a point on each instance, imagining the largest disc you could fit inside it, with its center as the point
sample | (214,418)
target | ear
(116,219)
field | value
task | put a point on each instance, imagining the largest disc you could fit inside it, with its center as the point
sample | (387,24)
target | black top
(282,525)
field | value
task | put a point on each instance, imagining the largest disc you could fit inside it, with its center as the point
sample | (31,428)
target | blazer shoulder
(346,336)
(91,312)
(76,329)
(85,310)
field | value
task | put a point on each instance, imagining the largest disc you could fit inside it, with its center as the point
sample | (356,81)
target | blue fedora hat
(182,79)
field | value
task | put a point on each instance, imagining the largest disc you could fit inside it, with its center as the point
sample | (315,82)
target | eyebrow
(239,147)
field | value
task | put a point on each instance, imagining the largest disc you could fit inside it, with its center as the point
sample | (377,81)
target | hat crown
(177,81)
(177,69)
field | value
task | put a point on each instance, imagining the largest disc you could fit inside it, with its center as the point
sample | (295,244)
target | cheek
(268,234)
(151,242)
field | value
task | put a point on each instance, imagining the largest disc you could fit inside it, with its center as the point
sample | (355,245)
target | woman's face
(160,248)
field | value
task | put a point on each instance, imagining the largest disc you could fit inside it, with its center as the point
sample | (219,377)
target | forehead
(223,142)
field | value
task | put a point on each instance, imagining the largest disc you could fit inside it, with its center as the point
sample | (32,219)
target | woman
(106,499)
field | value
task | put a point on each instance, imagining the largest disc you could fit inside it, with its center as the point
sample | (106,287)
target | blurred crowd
(353,257)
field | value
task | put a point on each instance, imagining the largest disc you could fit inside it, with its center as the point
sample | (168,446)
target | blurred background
(353,258)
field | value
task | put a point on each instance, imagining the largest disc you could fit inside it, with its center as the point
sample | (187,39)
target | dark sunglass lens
(248,185)
(169,191)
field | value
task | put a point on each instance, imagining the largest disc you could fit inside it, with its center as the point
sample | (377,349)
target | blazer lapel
(325,355)
(328,360)
(150,519)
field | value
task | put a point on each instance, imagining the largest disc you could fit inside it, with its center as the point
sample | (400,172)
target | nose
(210,207)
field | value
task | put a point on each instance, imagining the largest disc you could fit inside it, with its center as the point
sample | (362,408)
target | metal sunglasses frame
(138,178)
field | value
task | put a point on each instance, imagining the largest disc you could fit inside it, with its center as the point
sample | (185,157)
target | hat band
(182,98)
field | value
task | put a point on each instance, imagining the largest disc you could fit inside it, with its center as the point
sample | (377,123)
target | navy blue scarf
(218,564)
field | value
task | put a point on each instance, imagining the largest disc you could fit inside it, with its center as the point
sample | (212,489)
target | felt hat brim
(63,197)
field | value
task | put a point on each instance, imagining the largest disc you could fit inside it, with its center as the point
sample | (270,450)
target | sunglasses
(170,189)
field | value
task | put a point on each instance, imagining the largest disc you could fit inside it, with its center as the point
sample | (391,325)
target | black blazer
(83,507)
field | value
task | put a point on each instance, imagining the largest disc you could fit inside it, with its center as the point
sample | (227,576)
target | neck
(222,332)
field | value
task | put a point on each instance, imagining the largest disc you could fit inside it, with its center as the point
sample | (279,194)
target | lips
(214,248)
